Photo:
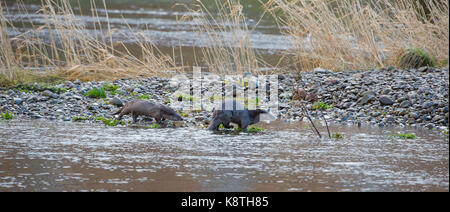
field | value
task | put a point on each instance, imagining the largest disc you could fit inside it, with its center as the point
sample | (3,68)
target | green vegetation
(6,115)
(445,132)
(253,129)
(415,58)
(321,106)
(337,136)
(403,136)
(141,96)
(115,92)
(38,87)
(110,87)
(96,93)
(183,114)
(152,126)
(185,97)
(80,118)
(99,118)
(110,122)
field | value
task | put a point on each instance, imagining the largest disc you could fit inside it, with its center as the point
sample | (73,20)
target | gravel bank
(383,98)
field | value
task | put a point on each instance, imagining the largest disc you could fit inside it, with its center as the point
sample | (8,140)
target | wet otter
(139,107)
(243,117)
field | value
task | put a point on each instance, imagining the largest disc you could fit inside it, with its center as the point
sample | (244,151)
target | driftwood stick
(326,124)
(305,111)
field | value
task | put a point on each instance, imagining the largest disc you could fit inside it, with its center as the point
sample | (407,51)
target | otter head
(170,114)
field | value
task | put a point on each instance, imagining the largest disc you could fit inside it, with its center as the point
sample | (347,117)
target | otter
(242,118)
(139,107)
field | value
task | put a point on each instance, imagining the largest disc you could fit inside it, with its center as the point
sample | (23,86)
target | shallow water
(65,156)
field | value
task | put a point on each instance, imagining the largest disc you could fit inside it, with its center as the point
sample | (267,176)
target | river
(37,155)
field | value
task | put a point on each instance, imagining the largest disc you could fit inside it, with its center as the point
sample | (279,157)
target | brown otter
(139,107)
(241,117)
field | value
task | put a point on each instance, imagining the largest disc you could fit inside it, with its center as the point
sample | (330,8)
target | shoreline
(384,98)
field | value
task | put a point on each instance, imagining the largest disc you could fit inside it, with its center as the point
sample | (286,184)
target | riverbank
(383,98)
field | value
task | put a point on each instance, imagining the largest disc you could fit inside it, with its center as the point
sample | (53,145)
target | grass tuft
(110,87)
(6,115)
(96,93)
(415,58)
(337,135)
(322,106)
(403,136)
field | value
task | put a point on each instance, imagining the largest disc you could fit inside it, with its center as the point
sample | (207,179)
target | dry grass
(357,34)
(228,36)
(73,53)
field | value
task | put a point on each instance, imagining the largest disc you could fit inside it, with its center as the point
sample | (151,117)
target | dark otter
(242,118)
(139,107)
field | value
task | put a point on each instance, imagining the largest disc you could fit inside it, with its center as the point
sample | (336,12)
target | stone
(77,97)
(116,101)
(445,110)
(375,114)
(49,94)
(32,99)
(199,118)
(59,112)
(405,104)
(427,118)
(358,75)
(430,126)
(385,100)
(366,97)
(427,105)
(390,119)
(423,69)
(17,101)
(386,91)
(322,71)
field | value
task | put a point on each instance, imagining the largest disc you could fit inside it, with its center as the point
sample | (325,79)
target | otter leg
(227,125)
(124,112)
(243,125)
(214,125)
(135,116)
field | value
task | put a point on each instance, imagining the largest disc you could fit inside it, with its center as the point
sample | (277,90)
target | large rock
(116,101)
(385,100)
(367,97)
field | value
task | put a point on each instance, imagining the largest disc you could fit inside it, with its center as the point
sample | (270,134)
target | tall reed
(357,34)
(229,49)
(71,51)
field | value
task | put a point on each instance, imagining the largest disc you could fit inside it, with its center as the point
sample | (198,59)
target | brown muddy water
(37,155)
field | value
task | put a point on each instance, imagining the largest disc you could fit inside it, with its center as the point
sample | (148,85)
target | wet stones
(116,101)
(405,104)
(385,100)
(367,97)
(378,97)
